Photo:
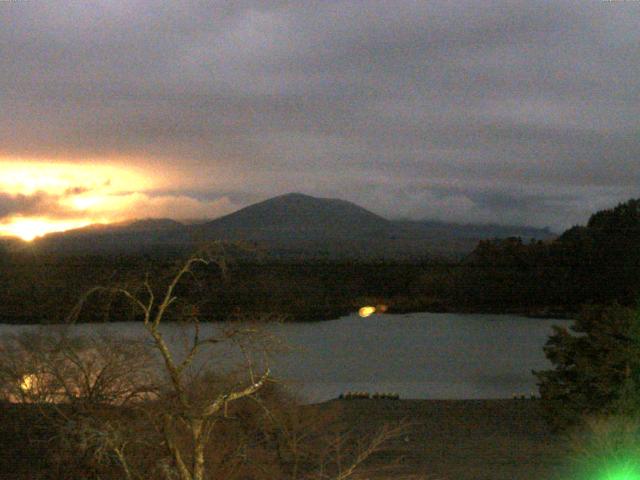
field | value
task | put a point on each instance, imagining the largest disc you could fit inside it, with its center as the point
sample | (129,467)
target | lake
(417,355)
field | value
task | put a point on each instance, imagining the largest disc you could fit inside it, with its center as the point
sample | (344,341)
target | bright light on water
(365,312)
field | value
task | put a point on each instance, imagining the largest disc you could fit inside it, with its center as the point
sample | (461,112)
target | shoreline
(531,313)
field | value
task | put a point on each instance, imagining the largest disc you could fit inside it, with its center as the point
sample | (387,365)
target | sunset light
(29,229)
(28,382)
(28,177)
(47,197)
(409,226)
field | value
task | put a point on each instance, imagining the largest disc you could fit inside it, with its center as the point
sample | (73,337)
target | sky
(511,112)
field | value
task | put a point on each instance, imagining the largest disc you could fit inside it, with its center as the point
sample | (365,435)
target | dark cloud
(472,110)
(25,205)
(38,204)
(76,191)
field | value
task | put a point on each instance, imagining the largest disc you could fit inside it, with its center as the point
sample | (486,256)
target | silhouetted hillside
(305,279)
(150,225)
(434,229)
(297,217)
(128,237)
(290,226)
(593,264)
(336,228)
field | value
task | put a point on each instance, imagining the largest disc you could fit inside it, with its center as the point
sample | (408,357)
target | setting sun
(29,229)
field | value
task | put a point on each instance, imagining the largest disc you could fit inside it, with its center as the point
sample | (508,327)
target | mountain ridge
(296,215)
(291,224)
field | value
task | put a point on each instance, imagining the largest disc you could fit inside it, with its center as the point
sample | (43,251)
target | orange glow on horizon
(29,229)
(27,177)
(69,195)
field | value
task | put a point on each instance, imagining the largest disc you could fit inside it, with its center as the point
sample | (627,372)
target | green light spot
(622,471)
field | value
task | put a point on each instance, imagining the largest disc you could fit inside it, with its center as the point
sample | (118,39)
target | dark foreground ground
(446,440)
(460,439)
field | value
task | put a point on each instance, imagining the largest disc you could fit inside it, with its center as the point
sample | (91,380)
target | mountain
(290,226)
(143,225)
(126,237)
(296,217)
(297,224)
(301,225)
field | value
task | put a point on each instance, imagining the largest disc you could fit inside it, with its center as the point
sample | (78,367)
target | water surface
(418,355)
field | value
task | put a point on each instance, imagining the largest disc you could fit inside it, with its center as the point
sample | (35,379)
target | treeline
(595,264)
(41,289)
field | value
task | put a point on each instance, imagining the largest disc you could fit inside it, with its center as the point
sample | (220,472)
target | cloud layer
(494,111)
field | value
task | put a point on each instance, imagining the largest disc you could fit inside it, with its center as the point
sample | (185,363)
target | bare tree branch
(230,397)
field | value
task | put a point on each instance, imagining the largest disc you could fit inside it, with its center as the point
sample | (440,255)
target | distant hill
(305,224)
(127,237)
(296,216)
(143,225)
(296,221)
(478,231)
(292,225)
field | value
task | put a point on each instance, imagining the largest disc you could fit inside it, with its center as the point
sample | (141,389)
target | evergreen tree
(597,367)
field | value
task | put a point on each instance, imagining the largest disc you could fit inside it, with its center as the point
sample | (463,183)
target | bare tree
(80,384)
(52,365)
(185,407)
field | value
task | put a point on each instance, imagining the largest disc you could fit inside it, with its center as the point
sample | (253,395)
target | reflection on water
(419,355)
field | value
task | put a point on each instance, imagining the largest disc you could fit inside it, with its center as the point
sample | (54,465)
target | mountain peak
(294,196)
(297,197)
(296,215)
